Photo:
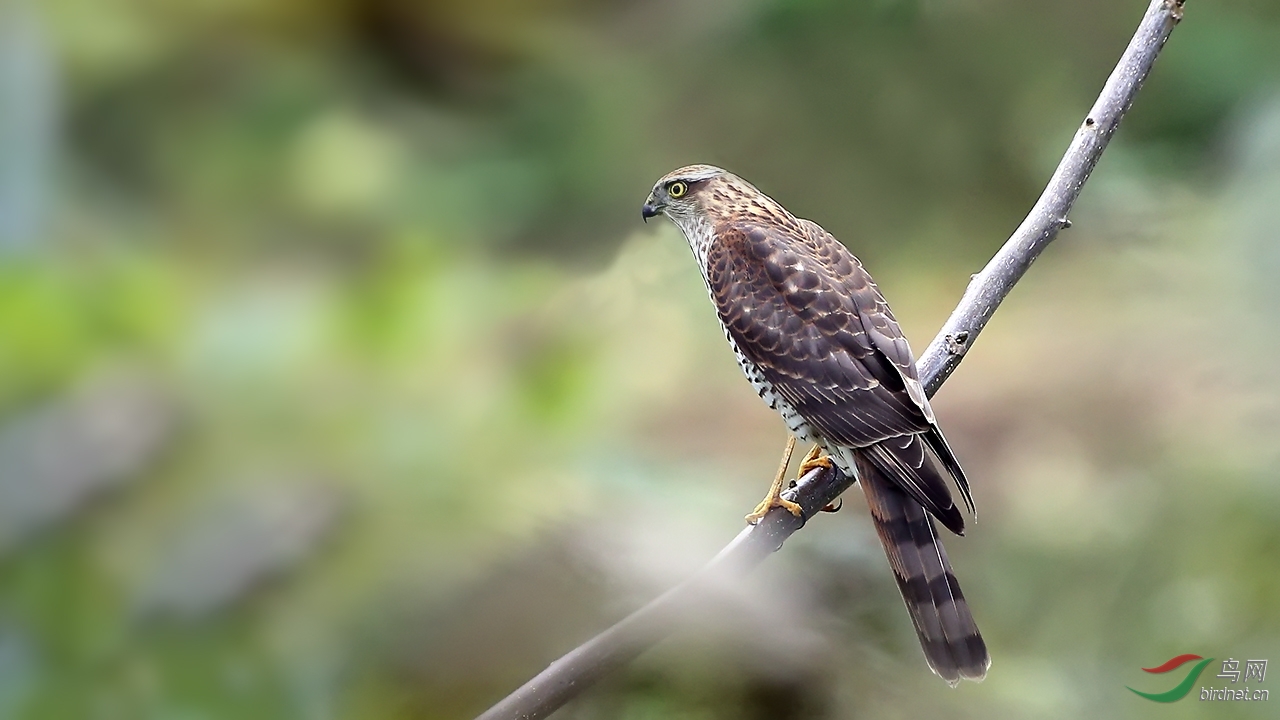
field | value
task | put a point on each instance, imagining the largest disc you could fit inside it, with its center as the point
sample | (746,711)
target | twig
(569,676)
(988,288)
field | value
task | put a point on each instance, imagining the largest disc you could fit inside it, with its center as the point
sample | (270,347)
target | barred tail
(951,641)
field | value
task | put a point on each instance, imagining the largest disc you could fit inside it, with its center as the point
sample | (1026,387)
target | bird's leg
(774,498)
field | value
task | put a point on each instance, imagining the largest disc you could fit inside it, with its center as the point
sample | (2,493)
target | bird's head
(683,194)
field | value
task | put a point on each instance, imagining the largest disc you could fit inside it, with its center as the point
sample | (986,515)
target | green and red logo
(1181,689)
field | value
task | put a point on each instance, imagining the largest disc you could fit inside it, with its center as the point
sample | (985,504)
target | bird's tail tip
(955,664)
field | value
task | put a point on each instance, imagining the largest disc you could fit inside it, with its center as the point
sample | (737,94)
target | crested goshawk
(819,344)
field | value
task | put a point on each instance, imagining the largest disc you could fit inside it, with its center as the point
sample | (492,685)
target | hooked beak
(649,210)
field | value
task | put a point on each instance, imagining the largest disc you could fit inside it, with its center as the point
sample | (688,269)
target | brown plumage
(819,343)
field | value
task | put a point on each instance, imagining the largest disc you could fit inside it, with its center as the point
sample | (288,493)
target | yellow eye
(677,189)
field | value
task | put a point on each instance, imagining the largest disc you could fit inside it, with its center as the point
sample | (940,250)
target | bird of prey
(819,344)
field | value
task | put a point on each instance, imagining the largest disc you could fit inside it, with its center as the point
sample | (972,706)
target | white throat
(697,231)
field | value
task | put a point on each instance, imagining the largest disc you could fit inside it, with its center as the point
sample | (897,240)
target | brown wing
(802,308)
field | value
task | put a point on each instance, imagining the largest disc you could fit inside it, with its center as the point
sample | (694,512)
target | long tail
(951,641)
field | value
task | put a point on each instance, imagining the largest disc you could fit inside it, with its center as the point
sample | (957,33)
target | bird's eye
(677,189)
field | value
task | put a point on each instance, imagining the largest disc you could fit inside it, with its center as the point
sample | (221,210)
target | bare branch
(569,676)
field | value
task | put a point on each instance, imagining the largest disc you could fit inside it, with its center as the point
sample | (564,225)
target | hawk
(820,345)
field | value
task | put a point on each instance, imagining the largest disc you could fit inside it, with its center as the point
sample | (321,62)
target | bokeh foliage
(340,380)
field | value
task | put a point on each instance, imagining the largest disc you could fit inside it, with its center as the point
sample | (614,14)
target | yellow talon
(774,498)
(815,459)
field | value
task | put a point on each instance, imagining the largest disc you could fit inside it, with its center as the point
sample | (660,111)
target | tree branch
(569,676)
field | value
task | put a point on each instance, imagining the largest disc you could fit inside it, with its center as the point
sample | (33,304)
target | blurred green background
(340,379)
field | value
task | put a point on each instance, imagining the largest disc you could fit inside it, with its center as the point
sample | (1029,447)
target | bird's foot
(815,459)
(774,498)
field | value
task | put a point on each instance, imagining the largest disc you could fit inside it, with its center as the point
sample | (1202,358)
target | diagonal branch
(569,676)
